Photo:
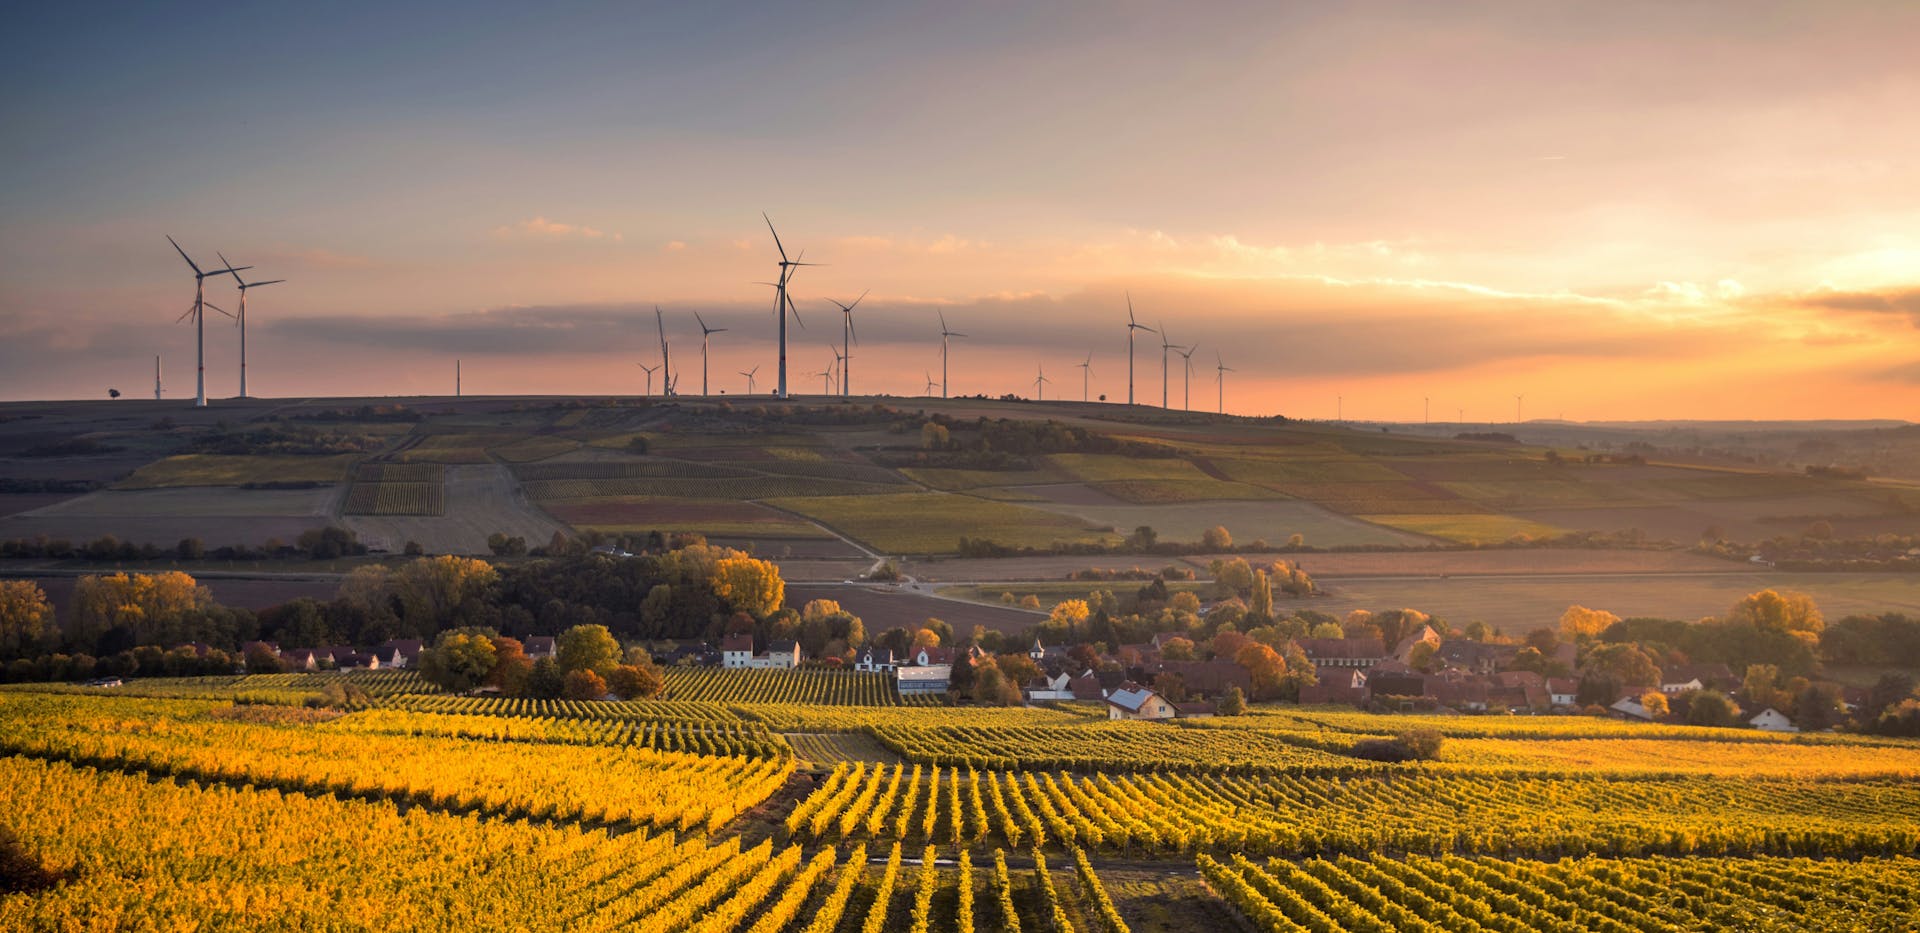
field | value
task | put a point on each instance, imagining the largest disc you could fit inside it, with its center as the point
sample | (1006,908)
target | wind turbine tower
(929,389)
(244,285)
(783,302)
(1040,384)
(1516,407)
(456,378)
(705,333)
(666,354)
(156,377)
(650,371)
(847,339)
(199,320)
(1220,376)
(749,373)
(1165,345)
(1086,376)
(1186,360)
(1132,325)
(944,334)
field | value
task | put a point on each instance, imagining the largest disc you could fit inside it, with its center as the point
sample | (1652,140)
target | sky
(1376,210)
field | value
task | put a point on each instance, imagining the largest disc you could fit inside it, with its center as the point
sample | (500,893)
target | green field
(934,523)
(1466,529)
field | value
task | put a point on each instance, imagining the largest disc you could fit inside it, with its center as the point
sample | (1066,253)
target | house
(384,657)
(1480,657)
(1133,701)
(1195,710)
(1385,683)
(922,657)
(1629,708)
(736,652)
(540,646)
(781,655)
(302,659)
(405,650)
(608,550)
(1343,652)
(1337,686)
(1681,678)
(875,659)
(923,678)
(1772,720)
(1561,691)
(1403,652)
(1087,687)
(1470,693)
(1050,687)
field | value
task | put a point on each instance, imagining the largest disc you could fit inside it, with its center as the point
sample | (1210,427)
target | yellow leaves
(749,585)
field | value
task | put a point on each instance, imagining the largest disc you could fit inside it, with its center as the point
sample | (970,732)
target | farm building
(1772,720)
(875,659)
(736,652)
(923,678)
(1681,678)
(1133,701)
(1359,653)
(1561,691)
(1050,687)
(539,646)
(1347,686)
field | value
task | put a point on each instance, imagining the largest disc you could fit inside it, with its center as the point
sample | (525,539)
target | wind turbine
(1516,407)
(944,334)
(244,285)
(199,320)
(838,369)
(749,374)
(157,394)
(650,371)
(1221,370)
(929,391)
(1186,357)
(782,302)
(1040,384)
(666,353)
(705,333)
(1165,345)
(1132,325)
(847,340)
(1086,375)
(826,380)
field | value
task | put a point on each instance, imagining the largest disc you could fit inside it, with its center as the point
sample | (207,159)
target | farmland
(693,813)
(215,470)
(938,521)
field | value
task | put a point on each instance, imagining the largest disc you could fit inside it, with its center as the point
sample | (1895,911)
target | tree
(925,638)
(1818,707)
(935,436)
(1421,744)
(587,648)
(413,549)
(992,688)
(1234,703)
(1143,537)
(436,592)
(1265,667)
(1260,606)
(512,669)
(632,682)
(1018,668)
(1623,664)
(749,585)
(1655,703)
(1477,630)
(261,660)
(1217,539)
(545,681)
(583,685)
(26,619)
(1712,708)
(1775,611)
(1030,601)
(1327,630)
(459,660)
(1177,649)
(190,549)
(154,608)
(1760,687)
(1579,622)
(1071,615)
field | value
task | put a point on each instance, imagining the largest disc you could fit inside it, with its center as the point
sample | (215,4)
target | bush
(583,685)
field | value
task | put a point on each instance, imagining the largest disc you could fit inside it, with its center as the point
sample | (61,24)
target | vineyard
(812,800)
(397,489)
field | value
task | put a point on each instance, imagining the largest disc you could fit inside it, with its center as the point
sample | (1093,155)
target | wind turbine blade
(188,314)
(216,307)
(776,236)
(229,264)
(183,255)
(267,282)
(856,301)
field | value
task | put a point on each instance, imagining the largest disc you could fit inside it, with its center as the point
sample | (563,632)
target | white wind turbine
(666,353)
(944,334)
(1040,384)
(847,339)
(244,285)
(650,371)
(199,320)
(1132,325)
(838,370)
(1186,357)
(1220,376)
(782,301)
(1086,376)
(749,374)
(929,389)
(705,333)
(1165,346)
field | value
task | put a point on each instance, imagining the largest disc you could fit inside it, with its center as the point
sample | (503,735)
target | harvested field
(16,503)
(1441,563)
(787,551)
(1306,470)
(1467,529)
(1094,468)
(399,473)
(1159,491)
(942,478)
(534,448)
(934,523)
(1381,498)
(743,487)
(222,470)
(800,569)
(1517,604)
(712,517)
(480,500)
(217,515)
(621,468)
(1248,521)
(882,608)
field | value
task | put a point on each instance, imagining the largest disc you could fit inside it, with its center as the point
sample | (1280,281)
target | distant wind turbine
(1040,384)
(1516,408)
(244,285)
(1186,357)
(705,333)
(839,370)
(157,393)
(1132,325)
(1086,376)
(944,334)
(749,374)
(826,380)
(1221,370)
(782,301)
(199,320)
(929,389)
(1165,345)
(650,371)
(847,339)
(666,353)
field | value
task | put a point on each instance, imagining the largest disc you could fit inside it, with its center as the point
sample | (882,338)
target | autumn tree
(153,608)
(1655,703)
(1266,668)
(437,592)
(1177,649)
(583,685)
(935,436)
(1580,623)
(1071,615)
(1216,539)
(1712,708)
(633,682)
(587,648)
(1234,703)
(749,584)
(26,619)
(1260,606)
(1234,575)
(459,660)
(1775,611)
(512,669)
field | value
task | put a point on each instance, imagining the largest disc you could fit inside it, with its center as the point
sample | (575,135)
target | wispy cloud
(553,229)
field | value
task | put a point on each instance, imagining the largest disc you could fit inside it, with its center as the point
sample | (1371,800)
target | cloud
(1902,301)
(1908,373)
(552,229)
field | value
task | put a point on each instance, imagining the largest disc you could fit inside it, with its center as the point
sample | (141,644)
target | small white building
(736,652)
(1772,720)
(1132,701)
(780,656)
(1562,692)
(875,659)
(1630,707)
(923,678)
(1054,687)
